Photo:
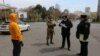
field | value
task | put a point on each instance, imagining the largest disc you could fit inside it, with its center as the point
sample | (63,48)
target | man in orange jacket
(16,35)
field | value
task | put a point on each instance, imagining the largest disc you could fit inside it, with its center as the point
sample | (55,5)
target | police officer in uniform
(82,33)
(65,25)
(50,30)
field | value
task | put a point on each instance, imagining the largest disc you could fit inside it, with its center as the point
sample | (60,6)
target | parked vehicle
(4,27)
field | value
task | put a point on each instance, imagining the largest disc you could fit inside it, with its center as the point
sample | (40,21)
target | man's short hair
(65,16)
(83,16)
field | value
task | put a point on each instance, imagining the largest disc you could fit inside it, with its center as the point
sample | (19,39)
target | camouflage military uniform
(50,30)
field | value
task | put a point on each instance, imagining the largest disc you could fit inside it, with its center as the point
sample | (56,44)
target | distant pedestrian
(50,30)
(82,33)
(65,25)
(16,35)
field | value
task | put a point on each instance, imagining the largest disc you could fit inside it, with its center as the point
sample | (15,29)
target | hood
(12,17)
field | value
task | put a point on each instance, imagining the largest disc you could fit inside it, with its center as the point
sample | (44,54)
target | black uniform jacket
(67,23)
(83,28)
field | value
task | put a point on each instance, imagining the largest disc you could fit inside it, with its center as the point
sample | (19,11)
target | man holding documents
(65,25)
(82,33)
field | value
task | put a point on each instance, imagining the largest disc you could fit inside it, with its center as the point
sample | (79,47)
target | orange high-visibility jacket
(14,28)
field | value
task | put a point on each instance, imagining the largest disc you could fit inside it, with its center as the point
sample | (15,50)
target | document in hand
(82,38)
(63,25)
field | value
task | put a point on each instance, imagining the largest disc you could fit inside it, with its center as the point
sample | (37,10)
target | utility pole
(4,2)
(5,11)
(98,12)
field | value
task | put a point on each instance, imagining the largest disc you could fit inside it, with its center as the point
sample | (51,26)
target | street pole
(4,2)
(98,11)
(5,11)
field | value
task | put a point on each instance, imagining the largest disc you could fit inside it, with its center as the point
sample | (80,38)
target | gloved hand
(21,43)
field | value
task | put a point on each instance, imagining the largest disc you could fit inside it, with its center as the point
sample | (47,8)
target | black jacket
(67,23)
(83,28)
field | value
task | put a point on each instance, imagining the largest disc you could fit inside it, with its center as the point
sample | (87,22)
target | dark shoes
(79,54)
(61,47)
(47,44)
(51,43)
(69,49)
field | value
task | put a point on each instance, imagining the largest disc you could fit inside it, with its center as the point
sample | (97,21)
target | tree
(38,8)
(44,13)
(93,16)
(72,16)
(39,13)
(54,12)
(34,13)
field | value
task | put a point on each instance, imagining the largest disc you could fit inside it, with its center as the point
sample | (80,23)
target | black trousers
(64,36)
(16,48)
(84,48)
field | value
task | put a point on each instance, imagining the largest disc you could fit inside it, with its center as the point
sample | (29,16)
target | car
(23,26)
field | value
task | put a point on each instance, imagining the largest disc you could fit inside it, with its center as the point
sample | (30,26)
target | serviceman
(50,29)
(65,25)
(16,35)
(82,33)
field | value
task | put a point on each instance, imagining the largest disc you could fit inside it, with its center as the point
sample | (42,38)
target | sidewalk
(95,31)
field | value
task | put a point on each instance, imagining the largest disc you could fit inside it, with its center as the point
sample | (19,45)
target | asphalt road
(35,42)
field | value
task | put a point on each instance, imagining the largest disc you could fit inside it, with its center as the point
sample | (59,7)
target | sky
(71,5)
